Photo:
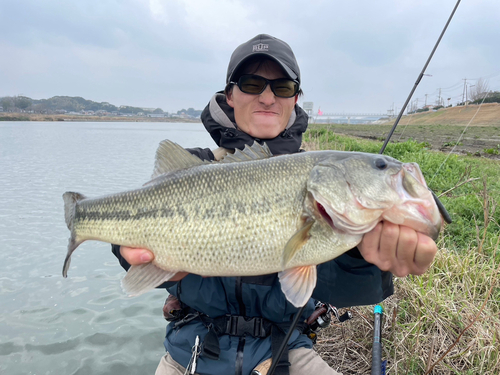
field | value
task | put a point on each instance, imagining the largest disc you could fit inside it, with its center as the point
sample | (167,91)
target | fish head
(354,191)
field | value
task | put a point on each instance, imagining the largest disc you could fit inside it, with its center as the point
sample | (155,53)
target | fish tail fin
(70,201)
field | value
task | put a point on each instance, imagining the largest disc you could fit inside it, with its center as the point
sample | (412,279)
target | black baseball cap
(264,45)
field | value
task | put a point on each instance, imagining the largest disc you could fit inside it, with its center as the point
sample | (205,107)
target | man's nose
(267,96)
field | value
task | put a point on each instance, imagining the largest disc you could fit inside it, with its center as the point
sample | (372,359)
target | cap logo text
(261,47)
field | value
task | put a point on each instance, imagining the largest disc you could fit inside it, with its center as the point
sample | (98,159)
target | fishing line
(408,123)
(459,138)
(418,80)
(442,209)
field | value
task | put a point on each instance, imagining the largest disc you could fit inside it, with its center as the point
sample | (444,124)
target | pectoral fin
(140,279)
(295,243)
(298,284)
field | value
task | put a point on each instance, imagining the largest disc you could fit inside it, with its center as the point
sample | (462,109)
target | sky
(360,56)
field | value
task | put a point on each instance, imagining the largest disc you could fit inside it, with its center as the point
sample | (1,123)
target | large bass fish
(253,214)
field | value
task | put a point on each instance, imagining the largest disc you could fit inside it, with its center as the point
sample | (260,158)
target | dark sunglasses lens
(252,84)
(285,88)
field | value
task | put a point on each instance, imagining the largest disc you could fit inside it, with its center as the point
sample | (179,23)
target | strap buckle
(239,325)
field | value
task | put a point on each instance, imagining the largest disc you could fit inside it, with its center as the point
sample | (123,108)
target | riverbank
(472,140)
(5,116)
(477,115)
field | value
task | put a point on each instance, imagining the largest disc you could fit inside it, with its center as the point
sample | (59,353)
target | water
(83,324)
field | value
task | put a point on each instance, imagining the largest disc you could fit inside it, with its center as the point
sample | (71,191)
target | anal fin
(298,284)
(142,278)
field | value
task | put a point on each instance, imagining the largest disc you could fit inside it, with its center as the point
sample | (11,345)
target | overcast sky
(355,56)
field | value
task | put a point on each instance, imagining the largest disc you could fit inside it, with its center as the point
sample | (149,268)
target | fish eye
(380,164)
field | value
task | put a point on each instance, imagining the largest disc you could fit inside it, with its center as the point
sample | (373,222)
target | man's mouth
(266,113)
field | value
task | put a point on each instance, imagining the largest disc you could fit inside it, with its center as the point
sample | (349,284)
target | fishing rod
(442,209)
(377,341)
(284,343)
(420,76)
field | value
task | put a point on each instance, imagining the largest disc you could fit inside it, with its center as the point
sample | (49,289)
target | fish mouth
(417,208)
(340,222)
(412,205)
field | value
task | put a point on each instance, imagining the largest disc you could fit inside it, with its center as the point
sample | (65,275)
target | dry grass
(489,115)
(427,316)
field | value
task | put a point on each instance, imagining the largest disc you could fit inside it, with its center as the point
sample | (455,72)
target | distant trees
(7,104)
(15,103)
(492,97)
(22,102)
(61,104)
(479,90)
(190,111)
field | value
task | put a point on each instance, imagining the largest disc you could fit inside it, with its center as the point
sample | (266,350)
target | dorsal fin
(172,157)
(254,152)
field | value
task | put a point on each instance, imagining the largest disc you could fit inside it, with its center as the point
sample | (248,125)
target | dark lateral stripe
(130,214)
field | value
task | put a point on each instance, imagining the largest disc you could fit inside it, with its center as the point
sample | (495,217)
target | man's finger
(135,256)
(388,245)
(407,246)
(425,253)
(369,245)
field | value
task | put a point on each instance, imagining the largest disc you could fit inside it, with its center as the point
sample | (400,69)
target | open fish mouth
(417,207)
(339,222)
(414,207)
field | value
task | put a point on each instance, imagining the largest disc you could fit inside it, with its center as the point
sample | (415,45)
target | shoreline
(4,116)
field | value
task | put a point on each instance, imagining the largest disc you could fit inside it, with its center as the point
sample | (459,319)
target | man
(259,104)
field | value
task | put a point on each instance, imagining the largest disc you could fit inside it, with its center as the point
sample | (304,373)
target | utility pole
(439,98)
(425,101)
(465,90)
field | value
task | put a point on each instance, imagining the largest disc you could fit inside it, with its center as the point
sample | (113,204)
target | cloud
(360,56)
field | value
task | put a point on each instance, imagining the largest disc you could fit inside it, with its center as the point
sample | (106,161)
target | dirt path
(477,140)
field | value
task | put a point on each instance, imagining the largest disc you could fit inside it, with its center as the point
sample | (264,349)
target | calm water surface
(83,324)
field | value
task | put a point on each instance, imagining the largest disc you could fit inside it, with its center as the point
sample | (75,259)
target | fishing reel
(322,317)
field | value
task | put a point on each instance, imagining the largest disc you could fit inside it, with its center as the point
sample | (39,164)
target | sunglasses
(255,85)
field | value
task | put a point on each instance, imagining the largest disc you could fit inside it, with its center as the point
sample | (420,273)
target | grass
(448,320)
(424,319)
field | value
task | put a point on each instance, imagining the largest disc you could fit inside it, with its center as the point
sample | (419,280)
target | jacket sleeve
(349,280)
(115,249)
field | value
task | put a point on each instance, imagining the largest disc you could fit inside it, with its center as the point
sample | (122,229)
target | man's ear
(296,98)
(229,97)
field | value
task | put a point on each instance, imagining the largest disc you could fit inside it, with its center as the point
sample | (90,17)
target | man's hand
(398,249)
(135,256)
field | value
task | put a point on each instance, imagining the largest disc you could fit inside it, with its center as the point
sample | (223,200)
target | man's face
(264,115)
